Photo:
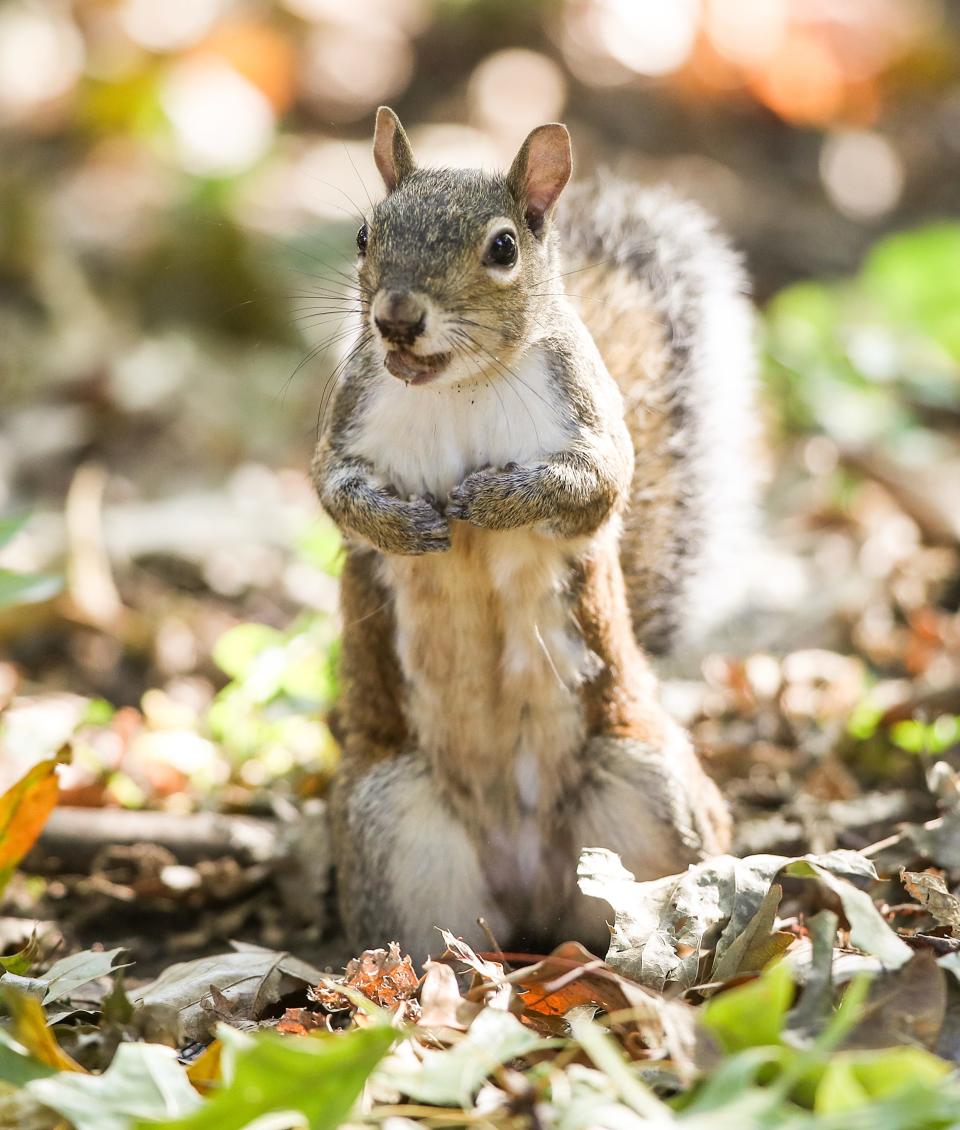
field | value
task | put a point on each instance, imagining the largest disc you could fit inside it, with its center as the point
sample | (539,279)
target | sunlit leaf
(751,1015)
(27,588)
(235,651)
(144,1081)
(24,810)
(31,1031)
(317,1076)
(19,963)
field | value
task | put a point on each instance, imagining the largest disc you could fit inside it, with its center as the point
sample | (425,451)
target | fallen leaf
(31,1031)
(665,928)
(814,1008)
(868,931)
(931,892)
(250,980)
(64,977)
(903,1006)
(19,963)
(144,1081)
(319,1078)
(751,949)
(24,810)
(298,1022)
(383,976)
(454,1076)
(206,1069)
(441,1003)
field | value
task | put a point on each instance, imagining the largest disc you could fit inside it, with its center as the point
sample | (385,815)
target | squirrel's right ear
(391,149)
(539,172)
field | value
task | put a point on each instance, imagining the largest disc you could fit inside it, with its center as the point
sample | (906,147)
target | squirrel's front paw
(413,527)
(495,499)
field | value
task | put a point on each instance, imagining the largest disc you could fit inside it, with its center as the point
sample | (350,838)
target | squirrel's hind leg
(654,806)
(406,865)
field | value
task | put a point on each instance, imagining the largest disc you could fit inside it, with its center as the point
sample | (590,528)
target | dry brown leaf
(299,1022)
(904,1006)
(929,889)
(441,1003)
(383,976)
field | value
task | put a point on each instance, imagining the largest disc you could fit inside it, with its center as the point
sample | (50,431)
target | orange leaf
(24,810)
(570,976)
(204,1072)
(30,1029)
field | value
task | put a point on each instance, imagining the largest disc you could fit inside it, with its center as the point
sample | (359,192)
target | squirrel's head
(455,264)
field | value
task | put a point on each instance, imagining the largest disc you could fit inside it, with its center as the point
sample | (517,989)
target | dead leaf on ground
(903,1006)
(383,976)
(244,983)
(931,892)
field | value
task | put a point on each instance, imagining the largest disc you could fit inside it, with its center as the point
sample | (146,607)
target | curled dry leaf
(299,1022)
(383,976)
(441,1003)
(931,892)
(676,930)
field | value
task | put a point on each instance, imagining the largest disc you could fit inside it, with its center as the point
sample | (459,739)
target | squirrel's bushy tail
(665,298)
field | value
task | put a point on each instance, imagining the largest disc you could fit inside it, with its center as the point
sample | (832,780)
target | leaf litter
(765,991)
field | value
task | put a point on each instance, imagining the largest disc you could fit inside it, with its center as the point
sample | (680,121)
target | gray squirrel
(532,498)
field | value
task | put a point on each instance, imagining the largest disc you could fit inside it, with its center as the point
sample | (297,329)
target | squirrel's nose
(399,316)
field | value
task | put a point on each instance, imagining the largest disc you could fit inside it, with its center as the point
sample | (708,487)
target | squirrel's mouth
(414,369)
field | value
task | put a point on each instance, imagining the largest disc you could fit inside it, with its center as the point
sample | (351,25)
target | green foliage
(865,359)
(144,1083)
(23,588)
(318,1077)
(770,1079)
(281,686)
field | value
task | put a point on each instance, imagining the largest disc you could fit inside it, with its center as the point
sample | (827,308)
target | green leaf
(19,963)
(236,650)
(322,546)
(915,278)
(609,1059)
(11,526)
(27,588)
(16,1065)
(144,1082)
(751,1015)
(854,1079)
(318,1076)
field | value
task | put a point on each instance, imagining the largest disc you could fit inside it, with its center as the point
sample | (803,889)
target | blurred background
(180,185)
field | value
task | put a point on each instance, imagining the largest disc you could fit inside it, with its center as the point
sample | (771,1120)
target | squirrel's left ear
(391,149)
(539,172)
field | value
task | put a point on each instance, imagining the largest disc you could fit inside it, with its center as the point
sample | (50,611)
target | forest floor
(171,951)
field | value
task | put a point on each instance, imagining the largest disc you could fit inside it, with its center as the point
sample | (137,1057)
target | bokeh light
(41,57)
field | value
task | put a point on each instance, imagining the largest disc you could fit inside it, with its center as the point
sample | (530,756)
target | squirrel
(533,500)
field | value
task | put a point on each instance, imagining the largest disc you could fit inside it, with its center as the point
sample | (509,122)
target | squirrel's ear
(540,170)
(391,149)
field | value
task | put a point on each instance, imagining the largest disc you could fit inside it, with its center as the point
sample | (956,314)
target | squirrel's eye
(502,251)
(362,236)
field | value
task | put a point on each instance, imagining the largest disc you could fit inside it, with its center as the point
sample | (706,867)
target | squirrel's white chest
(427,440)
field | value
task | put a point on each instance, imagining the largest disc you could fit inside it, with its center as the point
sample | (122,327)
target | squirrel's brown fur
(498,712)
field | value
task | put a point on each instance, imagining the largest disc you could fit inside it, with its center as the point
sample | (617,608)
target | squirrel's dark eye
(362,236)
(502,251)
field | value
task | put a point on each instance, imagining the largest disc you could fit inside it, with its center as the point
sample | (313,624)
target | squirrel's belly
(492,660)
